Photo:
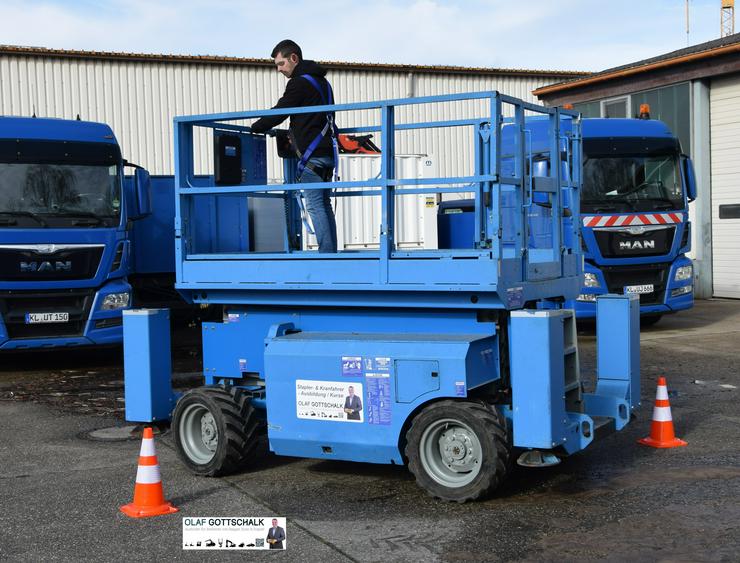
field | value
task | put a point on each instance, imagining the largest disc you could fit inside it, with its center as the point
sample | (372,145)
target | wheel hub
(457,449)
(208,431)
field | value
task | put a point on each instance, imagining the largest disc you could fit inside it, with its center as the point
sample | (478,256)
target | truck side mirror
(690,177)
(142,193)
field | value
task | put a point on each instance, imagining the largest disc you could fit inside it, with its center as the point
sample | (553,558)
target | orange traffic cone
(148,493)
(661,429)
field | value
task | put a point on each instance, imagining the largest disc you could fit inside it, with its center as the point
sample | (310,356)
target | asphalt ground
(60,491)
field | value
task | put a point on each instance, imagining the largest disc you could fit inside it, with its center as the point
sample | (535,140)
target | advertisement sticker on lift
(331,401)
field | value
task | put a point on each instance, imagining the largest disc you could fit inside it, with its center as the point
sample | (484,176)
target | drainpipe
(701,209)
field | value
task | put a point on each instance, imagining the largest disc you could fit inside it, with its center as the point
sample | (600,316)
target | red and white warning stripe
(148,470)
(662,407)
(632,219)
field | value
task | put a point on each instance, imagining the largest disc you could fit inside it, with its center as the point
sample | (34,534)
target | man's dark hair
(286,48)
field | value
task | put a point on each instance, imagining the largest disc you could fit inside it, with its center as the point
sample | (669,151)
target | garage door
(725,154)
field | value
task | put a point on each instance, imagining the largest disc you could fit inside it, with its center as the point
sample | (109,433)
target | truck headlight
(684,273)
(590,280)
(586,297)
(115,301)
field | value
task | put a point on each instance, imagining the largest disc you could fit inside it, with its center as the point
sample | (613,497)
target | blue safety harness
(330,128)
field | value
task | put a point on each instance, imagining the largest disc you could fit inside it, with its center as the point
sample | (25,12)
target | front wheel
(459,450)
(216,430)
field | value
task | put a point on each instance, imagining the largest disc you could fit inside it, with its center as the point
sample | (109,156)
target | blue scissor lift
(445,360)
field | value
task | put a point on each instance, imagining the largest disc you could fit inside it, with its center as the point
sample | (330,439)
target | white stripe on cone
(662,394)
(662,414)
(147,447)
(148,474)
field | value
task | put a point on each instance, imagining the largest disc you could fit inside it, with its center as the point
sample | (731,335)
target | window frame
(627,98)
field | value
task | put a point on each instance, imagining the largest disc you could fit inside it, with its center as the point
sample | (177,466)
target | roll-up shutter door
(725,155)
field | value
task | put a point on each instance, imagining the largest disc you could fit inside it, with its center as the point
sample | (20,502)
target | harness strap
(330,128)
(304,213)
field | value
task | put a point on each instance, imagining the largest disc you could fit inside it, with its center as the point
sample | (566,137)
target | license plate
(34,318)
(639,289)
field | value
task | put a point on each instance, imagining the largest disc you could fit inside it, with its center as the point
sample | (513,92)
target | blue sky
(532,34)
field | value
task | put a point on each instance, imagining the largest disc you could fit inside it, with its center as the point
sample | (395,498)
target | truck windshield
(631,183)
(59,195)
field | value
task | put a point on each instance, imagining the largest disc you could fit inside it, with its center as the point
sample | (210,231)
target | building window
(588,109)
(616,107)
(672,106)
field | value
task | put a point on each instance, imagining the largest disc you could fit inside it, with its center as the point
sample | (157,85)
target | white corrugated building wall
(138,95)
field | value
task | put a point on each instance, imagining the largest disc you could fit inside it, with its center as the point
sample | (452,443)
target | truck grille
(46,262)
(656,274)
(14,306)
(621,243)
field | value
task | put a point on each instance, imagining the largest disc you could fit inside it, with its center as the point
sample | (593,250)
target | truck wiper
(36,217)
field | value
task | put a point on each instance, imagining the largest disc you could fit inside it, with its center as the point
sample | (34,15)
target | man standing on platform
(312,134)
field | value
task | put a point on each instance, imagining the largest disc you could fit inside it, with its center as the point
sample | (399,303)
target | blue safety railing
(505,267)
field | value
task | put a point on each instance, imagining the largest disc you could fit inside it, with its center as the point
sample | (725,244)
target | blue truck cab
(637,185)
(66,231)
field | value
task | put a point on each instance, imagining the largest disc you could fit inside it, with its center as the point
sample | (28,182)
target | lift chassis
(450,361)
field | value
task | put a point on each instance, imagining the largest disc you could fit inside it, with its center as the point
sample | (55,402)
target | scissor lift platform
(217,263)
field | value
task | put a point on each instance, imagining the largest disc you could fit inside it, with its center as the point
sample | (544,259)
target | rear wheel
(459,451)
(215,429)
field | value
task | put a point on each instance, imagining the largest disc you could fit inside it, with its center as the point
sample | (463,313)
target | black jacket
(299,92)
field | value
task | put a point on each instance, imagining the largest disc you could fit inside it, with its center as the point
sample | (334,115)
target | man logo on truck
(58,266)
(636,244)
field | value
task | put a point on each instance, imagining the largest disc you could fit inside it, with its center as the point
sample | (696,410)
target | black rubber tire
(236,423)
(649,320)
(490,428)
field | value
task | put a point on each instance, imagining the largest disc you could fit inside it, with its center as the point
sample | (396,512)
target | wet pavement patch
(123,433)
(112,434)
